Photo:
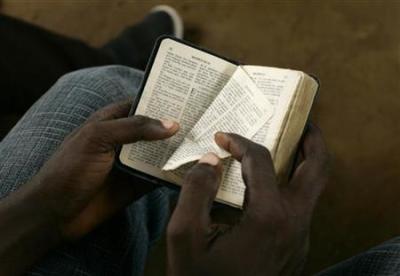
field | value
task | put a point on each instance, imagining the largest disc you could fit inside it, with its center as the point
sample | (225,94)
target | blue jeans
(119,246)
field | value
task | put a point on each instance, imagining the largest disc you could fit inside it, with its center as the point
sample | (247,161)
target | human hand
(75,186)
(272,235)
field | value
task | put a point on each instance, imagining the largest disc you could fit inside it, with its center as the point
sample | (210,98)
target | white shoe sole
(176,18)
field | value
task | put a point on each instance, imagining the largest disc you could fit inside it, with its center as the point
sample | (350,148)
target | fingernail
(167,123)
(209,158)
(220,137)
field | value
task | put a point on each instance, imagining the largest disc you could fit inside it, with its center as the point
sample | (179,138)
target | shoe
(176,19)
(134,45)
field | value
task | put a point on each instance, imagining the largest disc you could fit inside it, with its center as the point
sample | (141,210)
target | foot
(177,23)
(134,45)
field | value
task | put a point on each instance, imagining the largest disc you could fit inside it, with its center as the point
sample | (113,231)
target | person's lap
(382,260)
(119,246)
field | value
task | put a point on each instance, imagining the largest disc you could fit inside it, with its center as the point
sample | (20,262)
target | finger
(199,189)
(299,158)
(110,133)
(311,175)
(119,191)
(299,155)
(257,167)
(112,111)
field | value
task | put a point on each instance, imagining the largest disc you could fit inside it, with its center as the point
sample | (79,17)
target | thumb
(198,192)
(105,135)
(137,128)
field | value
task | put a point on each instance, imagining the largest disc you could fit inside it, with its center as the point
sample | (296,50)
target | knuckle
(257,161)
(271,219)
(256,153)
(177,231)
(140,121)
(118,111)
(91,130)
(95,136)
(260,151)
(141,126)
(201,176)
(202,172)
(97,116)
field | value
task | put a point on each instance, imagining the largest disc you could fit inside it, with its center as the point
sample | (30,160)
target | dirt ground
(354,49)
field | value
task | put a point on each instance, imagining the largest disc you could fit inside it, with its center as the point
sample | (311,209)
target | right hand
(272,236)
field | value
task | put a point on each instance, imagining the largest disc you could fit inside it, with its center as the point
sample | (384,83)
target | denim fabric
(379,261)
(120,246)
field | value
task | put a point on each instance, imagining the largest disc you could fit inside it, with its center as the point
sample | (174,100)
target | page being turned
(279,86)
(182,83)
(239,108)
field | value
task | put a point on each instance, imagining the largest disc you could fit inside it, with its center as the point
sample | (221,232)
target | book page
(279,86)
(182,83)
(240,108)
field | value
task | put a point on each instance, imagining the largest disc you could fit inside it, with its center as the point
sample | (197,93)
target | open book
(206,94)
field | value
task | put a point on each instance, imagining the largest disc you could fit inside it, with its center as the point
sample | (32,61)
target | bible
(206,93)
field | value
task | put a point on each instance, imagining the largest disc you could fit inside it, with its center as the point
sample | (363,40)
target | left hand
(74,186)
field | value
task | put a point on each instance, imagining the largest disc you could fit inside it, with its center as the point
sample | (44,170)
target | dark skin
(272,235)
(77,189)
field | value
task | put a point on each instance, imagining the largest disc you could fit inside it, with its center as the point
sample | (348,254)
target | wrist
(39,205)
(29,207)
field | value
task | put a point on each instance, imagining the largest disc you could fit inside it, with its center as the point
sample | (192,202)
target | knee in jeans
(110,82)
